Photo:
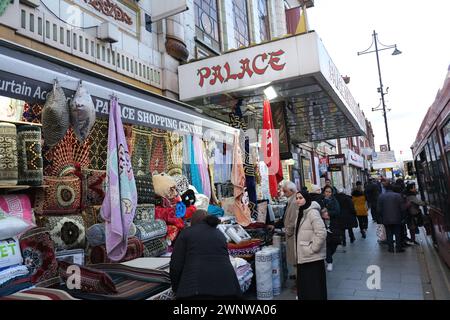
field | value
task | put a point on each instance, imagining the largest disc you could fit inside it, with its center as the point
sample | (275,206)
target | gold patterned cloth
(8,154)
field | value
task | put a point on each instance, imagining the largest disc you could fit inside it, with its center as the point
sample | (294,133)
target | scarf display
(240,207)
(194,168)
(120,201)
(199,156)
(237,121)
(175,151)
(271,150)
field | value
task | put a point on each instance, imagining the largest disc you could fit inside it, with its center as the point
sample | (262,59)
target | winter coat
(200,264)
(290,218)
(348,213)
(391,208)
(359,201)
(336,223)
(311,236)
(318,197)
(372,191)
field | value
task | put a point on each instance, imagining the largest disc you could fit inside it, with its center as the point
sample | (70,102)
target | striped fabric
(40,294)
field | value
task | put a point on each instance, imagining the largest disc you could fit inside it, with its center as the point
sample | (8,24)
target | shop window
(136,67)
(128,64)
(55,32)
(123,62)
(140,70)
(143,70)
(61,35)
(23,19)
(68,38)
(103,54)
(207,22)
(263,16)
(113,57)
(241,33)
(132,66)
(86,46)
(92,49)
(47,29)
(31,22)
(74,41)
(81,43)
(40,26)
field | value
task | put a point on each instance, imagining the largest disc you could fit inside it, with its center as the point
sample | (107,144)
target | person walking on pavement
(348,215)
(414,215)
(310,237)
(391,208)
(334,238)
(360,202)
(372,192)
(328,184)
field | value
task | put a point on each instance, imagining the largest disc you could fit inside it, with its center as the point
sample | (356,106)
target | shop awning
(30,77)
(319,106)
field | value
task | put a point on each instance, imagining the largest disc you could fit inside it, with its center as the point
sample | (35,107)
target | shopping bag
(381,232)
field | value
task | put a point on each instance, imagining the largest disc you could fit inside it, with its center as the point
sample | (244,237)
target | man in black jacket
(373,191)
(390,209)
(200,267)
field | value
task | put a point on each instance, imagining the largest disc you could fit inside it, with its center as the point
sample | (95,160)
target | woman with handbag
(360,202)
(336,226)
(414,215)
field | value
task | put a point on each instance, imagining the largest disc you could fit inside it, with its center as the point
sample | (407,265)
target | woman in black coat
(200,266)
(348,215)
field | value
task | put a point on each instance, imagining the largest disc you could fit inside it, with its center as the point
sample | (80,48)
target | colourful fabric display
(199,155)
(180,210)
(187,157)
(61,196)
(15,285)
(66,157)
(38,251)
(196,179)
(240,209)
(99,149)
(155,247)
(82,113)
(144,212)
(159,151)
(172,233)
(93,187)
(140,159)
(264,283)
(10,253)
(188,198)
(175,153)
(135,249)
(29,150)
(168,215)
(12,273)
(55,116)
(67,232)
(17,205)
(40,294)
(215,211)
(190,211)
(120,201)
(265,189)
(32,113)
(182,183)
(244,248)
(8,161)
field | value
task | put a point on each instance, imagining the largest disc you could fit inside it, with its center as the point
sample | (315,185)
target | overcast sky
(421,30)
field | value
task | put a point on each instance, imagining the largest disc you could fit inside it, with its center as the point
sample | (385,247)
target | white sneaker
(330,267)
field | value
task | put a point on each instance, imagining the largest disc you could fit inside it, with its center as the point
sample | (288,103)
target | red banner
(271,150)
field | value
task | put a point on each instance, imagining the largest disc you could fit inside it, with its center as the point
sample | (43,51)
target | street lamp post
(380,89)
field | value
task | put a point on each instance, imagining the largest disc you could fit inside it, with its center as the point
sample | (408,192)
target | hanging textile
(159,154)
(237,121)
(270,149)
(120,201)
(200,159)
(175,154)
(194,168)
(186,158)
(210,149)
(240,206)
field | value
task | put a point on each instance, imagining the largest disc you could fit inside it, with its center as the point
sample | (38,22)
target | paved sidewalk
(400,272)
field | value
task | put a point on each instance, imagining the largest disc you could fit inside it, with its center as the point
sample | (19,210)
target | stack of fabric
(244,249)
(243,271)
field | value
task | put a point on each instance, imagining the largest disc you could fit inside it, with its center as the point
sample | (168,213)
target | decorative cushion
(91,215)
(149,230)
(99,146)
(135,249)
(61,196)
(38,253)
(155,247)
(10,254)
(17,205)
(91,280)
(145,190)
(55,116)
(93,184)
(8,154)
(67,232)
(144,212)
(29,150)
(82,113)
(182,183)
(11,226)
(96,235)
(165,185)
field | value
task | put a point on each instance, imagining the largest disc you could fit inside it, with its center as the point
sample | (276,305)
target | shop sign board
(355,159)
(384,148)
(383,157)
(335,162)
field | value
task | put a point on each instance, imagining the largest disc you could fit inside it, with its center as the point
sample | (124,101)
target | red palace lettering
(258,65)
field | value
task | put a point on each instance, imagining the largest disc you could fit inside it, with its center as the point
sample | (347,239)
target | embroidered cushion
(93,183)
(82,113)
(67,232)
(17,205)
(29,151)
(91,280)
(144,212)
(61,196)
(10,254)
(8,154)
(155,247)
(38,253)
(145,190)
(55,116)
(149,230)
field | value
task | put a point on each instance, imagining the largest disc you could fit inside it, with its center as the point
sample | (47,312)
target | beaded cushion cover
(38,251)
(93,185)
(8,154)
(67,232)
(61,196)
(29,151)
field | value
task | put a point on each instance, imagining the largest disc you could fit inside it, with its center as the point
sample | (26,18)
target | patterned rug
(99,146)
(29,150)
(140,158)
(159,151)
(8,158)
